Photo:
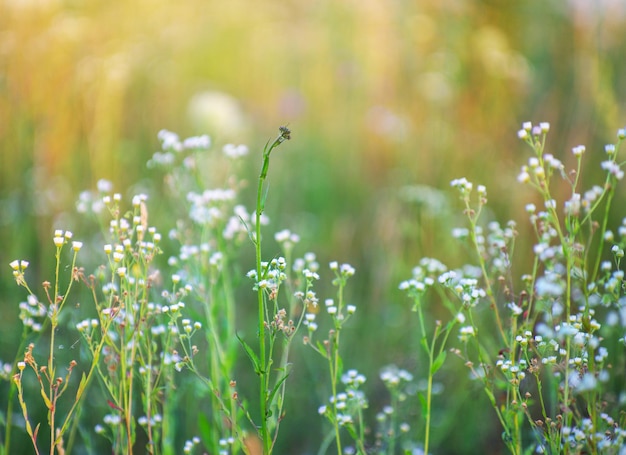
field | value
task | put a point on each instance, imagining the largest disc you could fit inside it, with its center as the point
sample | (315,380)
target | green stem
(333,384)
(264,374)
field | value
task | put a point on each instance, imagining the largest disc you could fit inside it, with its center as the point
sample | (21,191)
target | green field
(387,102)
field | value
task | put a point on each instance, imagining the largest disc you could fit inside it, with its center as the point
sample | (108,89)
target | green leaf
(251,354)
(250,233)
(422,399)
(352,431)
(424,343)
(322,349)
(438,363)
(264,197)
(270,398)
(204,427)
(82,385)
(339,366)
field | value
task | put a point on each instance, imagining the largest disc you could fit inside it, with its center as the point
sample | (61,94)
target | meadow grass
(150,337)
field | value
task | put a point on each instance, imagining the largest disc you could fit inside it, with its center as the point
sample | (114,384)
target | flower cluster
(566,321)
(349,404)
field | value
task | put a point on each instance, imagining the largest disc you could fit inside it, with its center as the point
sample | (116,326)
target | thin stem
(263,361)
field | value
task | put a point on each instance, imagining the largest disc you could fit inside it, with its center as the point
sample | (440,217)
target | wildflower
(347,270)
(613,168)
(197,142)
(460,233)
(465,333)
(112,419)
(462,184)
(309,275)
(516,310)
(58,241)
(235,151)
(523,177)
(578,150)
(104,186)
(392,376)
(286,237)
(353,377)
(572,207)
(169,140)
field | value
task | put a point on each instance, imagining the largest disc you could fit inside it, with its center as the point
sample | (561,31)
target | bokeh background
(388,100)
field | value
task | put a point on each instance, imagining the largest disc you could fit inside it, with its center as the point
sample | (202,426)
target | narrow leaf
(423,403)
(251,354)
(46,399)
(438,362)
(322,349)
(424,344)
(270,398)
(204,427)
(81,385)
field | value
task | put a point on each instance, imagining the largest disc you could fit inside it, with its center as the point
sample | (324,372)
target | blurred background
(388,100)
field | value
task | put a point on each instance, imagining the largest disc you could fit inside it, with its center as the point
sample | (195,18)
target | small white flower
(235,151)
(347,270)
(523,177)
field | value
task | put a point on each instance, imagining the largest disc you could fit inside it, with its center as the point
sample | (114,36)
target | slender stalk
(263,361)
